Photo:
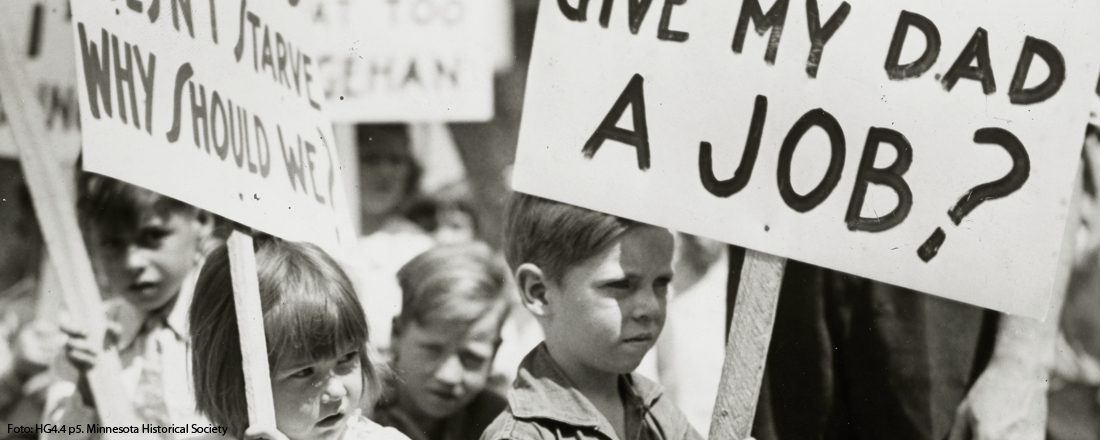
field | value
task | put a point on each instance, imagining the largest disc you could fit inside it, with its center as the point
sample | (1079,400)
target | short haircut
(310,311)
(109,204)
(454,285)
(377,142)
(556,236)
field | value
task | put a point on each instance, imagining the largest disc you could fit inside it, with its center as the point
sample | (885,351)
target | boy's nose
(450,371)
(648,305)
(136,258)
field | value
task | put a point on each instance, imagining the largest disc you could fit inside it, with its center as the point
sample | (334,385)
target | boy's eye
(471,361)
(618,284)
(152,236)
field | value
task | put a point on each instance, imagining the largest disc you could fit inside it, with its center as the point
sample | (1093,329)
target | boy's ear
(532,289)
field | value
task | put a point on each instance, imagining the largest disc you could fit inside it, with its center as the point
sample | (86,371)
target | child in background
(598,286)
(444,341)
(145,247)
(316,334)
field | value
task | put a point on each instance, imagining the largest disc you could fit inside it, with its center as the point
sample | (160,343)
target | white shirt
(64,404)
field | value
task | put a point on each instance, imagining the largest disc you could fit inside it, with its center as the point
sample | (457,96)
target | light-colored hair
(455,284)
(310,311)
(556,236)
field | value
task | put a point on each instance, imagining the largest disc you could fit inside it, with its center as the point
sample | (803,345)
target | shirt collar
(131,319)
(542,390)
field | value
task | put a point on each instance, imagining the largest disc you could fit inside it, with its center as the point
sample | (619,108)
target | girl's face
(315,399)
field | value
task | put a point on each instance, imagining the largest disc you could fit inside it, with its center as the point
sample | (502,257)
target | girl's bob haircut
(310,312)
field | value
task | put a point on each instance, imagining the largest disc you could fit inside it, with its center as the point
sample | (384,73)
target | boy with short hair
(146,249)
(597,285)
(454,304)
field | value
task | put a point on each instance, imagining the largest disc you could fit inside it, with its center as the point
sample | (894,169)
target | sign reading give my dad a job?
(215,103)
(928,145)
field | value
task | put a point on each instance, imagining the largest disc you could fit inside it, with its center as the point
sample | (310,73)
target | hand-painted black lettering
(639,138)
(295,171)
(820,118)
(183,74)
(774,20)
(931,247)
(726,188)
(125,74)
(34,43)
(198,112)
(1016,177)
(931,47)
(663,32)
(238,50)
(217,114)
(97,70)
(1017,94)
(819,35)
(890,176)
(574,13)
(146,77)
(183,6)
(976,49)
(238,151)
(309,78)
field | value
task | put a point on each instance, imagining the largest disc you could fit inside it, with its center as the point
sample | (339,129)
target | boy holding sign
(147,248)
(598,285)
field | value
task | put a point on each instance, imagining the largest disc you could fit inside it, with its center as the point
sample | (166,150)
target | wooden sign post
(747,349)
(250,324)
(218,105)
(56,213)
(917,145)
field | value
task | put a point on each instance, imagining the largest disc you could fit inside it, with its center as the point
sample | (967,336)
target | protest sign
(408,60)
(931,146)
(43,39)
(217,104)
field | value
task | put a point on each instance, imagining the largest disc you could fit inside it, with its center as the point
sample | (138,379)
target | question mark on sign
(1016,177)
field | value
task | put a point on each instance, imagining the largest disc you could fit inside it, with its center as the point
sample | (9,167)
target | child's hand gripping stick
(56,213)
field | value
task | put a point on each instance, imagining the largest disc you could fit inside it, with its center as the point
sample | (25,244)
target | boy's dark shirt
(466,425)
(543,404)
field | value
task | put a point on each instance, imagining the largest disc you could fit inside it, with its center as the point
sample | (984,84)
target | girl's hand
(264,433)
(78,350)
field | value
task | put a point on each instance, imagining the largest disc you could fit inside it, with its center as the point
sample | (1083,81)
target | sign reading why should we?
(408,60)
(929,145)
(217,104)
(44,38)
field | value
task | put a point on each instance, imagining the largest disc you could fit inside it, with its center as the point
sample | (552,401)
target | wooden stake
(56,213)
(250,324)
(747,350)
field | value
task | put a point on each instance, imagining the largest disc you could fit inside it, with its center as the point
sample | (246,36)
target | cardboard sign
(927,145)
(407,60)
(217,104)
(44,36)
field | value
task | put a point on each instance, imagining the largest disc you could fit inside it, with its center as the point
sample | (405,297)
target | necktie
(149,395)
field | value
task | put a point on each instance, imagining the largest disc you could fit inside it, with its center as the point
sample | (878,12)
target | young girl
(316,336)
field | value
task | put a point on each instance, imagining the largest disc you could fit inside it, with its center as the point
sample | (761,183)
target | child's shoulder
(362,428)
(507,427)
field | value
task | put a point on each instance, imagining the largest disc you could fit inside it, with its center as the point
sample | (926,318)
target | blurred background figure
(389,178)
(448,215)
(1074,400)
(691,348)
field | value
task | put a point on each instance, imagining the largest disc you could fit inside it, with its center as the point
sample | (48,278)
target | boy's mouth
(646,337)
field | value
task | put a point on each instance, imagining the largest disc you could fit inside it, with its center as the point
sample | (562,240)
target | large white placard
(44,35)
(931,145)
(215,103)
(408,60)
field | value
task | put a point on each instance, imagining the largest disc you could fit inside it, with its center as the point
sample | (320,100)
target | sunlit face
(147,265)
(455,226)
(315,399)
(383,182)
(607,312)
(441,370)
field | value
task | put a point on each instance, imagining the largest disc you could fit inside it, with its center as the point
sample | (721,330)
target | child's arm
(68,403)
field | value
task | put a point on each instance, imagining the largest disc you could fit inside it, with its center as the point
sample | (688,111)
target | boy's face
(441,370)
(315,399)
(147,265)
(607,312)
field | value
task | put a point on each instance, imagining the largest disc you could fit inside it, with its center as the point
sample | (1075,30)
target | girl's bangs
(314,323)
